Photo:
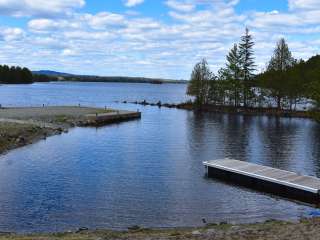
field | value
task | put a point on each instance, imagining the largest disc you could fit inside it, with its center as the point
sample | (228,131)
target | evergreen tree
(15,75)
(282,57)
(280,62)
(218,88)
(26,75)
(247,64)
(233,74)
(314,93)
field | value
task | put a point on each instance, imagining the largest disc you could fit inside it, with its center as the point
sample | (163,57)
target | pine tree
(15,75)
(26,76)
(233,71)
(282,57)
(279,63)
(247,64)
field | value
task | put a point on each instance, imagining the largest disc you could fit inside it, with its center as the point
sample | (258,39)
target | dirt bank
(14,135)
(271,230)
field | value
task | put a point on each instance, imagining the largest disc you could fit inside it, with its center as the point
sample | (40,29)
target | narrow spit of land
(22,126)
(252,111)
(270,230)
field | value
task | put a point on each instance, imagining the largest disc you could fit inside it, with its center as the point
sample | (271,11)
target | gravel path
(45,112)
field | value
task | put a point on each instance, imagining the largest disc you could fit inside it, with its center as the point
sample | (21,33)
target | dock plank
(269,175)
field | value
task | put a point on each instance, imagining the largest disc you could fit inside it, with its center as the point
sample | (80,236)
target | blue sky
(150,38)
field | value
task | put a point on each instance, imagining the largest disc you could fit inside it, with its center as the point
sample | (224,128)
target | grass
(60,119)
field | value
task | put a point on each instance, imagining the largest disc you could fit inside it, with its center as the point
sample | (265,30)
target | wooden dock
(115,116)
(266,179)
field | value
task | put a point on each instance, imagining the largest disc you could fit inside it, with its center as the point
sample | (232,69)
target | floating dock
(279,182)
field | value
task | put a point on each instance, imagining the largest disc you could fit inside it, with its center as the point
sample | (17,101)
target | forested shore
(286,85)
(19,75)
(15,75)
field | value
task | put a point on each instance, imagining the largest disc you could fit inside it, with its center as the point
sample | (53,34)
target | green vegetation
(44,78)
(15,75)
(199,85)
(18,75)
(247,66)
(79,78)
(285,82)
(50,76)
(276,75)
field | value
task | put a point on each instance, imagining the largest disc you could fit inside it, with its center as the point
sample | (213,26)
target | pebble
(196,233)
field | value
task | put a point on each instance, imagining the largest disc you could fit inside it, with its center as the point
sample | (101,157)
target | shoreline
(250,111)
(24,126)
(22,135)
(306,228)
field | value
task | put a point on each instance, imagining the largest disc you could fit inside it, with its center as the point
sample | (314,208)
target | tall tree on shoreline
(199,83)
(247,64)
(278,65)
(233,71)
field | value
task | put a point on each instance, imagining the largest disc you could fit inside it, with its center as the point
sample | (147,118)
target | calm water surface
(147,172)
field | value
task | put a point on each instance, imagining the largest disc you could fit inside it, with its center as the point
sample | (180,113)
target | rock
(134,228)
(196,232)
(20,139)
(211,231)
(235,228)
(82,229)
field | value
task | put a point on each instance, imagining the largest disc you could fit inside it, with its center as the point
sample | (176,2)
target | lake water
(147,172)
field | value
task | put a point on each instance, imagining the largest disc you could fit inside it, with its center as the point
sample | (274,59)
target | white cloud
(304,4)
(69,52)
(104,19)
(38,7)
(11,34)
(109,43)
(42,24)
(180,6)
(132,3)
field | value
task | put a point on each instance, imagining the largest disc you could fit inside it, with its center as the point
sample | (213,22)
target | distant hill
(51,73)
(47,75)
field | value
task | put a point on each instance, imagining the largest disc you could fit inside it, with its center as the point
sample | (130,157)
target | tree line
(285,82)
(15,75)
(19,75)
